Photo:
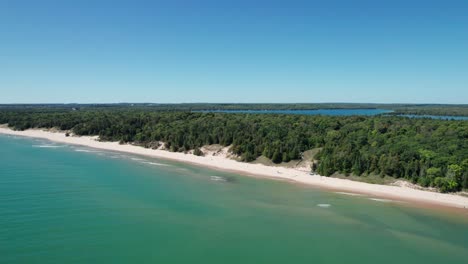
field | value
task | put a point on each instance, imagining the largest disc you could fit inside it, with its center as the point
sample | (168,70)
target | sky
(233,51)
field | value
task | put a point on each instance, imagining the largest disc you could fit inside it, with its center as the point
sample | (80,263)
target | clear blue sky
(91,51)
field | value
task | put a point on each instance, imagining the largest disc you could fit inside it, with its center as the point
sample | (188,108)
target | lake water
(68,204)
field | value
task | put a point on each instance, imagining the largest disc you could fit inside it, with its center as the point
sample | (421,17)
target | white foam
(381,200)
(350,194)
(137,159)
(86,150)
(217,178)
(47,146)
(154,163)
(324,205)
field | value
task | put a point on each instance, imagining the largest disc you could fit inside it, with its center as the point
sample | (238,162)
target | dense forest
(425,151)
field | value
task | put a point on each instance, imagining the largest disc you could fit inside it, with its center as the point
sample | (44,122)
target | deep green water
(63,205)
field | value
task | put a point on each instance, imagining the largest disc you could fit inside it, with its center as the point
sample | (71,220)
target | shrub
(198,152)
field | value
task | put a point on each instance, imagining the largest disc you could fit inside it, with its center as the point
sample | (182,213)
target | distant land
(412,109)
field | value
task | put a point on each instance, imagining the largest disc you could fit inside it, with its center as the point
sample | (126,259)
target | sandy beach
(221,162)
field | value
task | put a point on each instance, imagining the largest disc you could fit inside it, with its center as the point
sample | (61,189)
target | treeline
(427,152)
(438,110)
(416,109)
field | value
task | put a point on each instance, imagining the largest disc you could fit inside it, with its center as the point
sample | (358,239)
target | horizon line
(228,103)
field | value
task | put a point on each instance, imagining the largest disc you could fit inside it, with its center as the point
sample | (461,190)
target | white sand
(223,163)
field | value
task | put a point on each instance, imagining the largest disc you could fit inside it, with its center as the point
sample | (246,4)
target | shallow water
(63,205)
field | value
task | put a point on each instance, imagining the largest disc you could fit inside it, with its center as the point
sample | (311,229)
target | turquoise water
(65,204)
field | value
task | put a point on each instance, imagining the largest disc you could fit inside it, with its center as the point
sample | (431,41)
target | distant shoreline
(221,162)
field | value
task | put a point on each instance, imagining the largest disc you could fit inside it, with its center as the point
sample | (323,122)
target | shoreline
(394,193)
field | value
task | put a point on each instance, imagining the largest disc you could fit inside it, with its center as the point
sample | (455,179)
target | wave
(47,146)
(350,194)
(87,150)
(381,200)
(324,205)
(140,160)
(217,178)
(154,163)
